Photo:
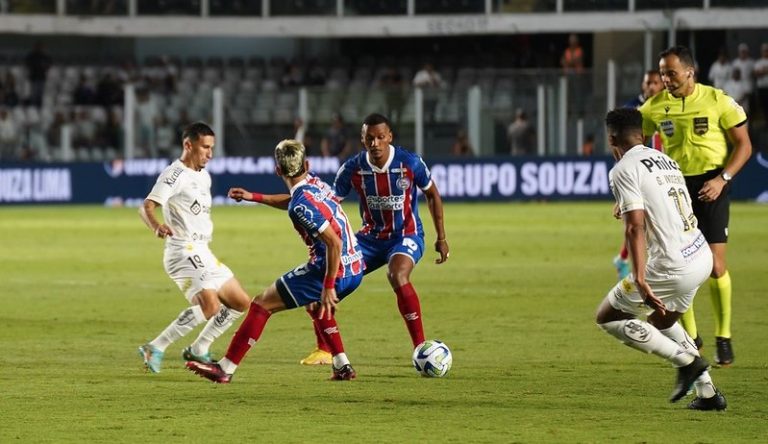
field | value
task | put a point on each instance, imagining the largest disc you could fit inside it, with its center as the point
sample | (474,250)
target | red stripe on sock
(329,331)
(410,309)
(321,344)
(248,333)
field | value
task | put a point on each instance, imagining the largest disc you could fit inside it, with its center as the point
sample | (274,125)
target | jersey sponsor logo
(171,179)
(304,215)
(393,203)
(667,127)
(700,125)
(403,183)
(636,331)
(660,163)
(195,208)
(695,246)
(323,194)
(351,258)
(201,237)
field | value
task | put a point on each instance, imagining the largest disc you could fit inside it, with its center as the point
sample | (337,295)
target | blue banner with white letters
(127,182)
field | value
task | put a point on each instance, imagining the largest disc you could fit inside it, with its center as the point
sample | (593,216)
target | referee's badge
(667,127)
(700,125)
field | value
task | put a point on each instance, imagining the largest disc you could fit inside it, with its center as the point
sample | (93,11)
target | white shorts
(675,290)
(194,268)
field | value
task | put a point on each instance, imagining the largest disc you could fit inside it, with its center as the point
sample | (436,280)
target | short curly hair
(624,121)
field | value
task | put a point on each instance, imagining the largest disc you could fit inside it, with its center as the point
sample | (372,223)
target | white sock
(645,337)
(340,360)
(704,386)
(228,366)
(188,319)
(215,327)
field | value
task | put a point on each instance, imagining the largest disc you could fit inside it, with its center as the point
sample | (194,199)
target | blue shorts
(304,284)
(377,252)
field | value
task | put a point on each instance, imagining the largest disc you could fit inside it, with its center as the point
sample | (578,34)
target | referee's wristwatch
(726,177)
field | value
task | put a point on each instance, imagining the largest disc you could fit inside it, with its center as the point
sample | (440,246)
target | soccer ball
(432,358)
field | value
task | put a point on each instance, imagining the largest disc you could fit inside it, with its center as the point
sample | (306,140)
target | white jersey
(646,179)
(185,196)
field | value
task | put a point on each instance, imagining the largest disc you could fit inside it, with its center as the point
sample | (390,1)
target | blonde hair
(289,156)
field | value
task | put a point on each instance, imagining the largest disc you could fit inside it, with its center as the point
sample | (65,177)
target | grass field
(82,287)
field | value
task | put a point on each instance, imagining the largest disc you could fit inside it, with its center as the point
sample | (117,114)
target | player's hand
(649,298)
(616,211)
(162,231)
(711,189)
(441,246)
(328,301)
(239,194)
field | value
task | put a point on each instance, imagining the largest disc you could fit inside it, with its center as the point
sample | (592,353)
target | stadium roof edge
(402,26)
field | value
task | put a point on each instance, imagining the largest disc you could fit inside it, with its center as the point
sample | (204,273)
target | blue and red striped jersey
(314,208)
(388,196)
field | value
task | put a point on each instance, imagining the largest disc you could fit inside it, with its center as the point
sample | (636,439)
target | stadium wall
(127,182)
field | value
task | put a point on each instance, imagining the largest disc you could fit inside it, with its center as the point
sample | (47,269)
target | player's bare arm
(279,201)
(742,151)
(328,298)
(147,214)
(634,222)
(435,204)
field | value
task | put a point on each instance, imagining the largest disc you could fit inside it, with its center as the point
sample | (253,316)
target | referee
(696,123)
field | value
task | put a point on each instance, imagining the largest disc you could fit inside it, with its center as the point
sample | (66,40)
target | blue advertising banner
(127,182)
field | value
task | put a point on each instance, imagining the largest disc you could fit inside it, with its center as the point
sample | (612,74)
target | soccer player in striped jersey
(333,271)
(387,178)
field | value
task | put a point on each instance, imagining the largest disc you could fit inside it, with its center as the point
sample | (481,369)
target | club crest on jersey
(700,125)
(667,127)
(195,208)
(403,183)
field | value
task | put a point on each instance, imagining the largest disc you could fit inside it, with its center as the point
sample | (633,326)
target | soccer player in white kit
(183,190)
(670,259)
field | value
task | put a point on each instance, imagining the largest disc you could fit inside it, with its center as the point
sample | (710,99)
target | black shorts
(712,216)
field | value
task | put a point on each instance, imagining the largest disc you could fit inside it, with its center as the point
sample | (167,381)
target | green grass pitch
(82,287)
